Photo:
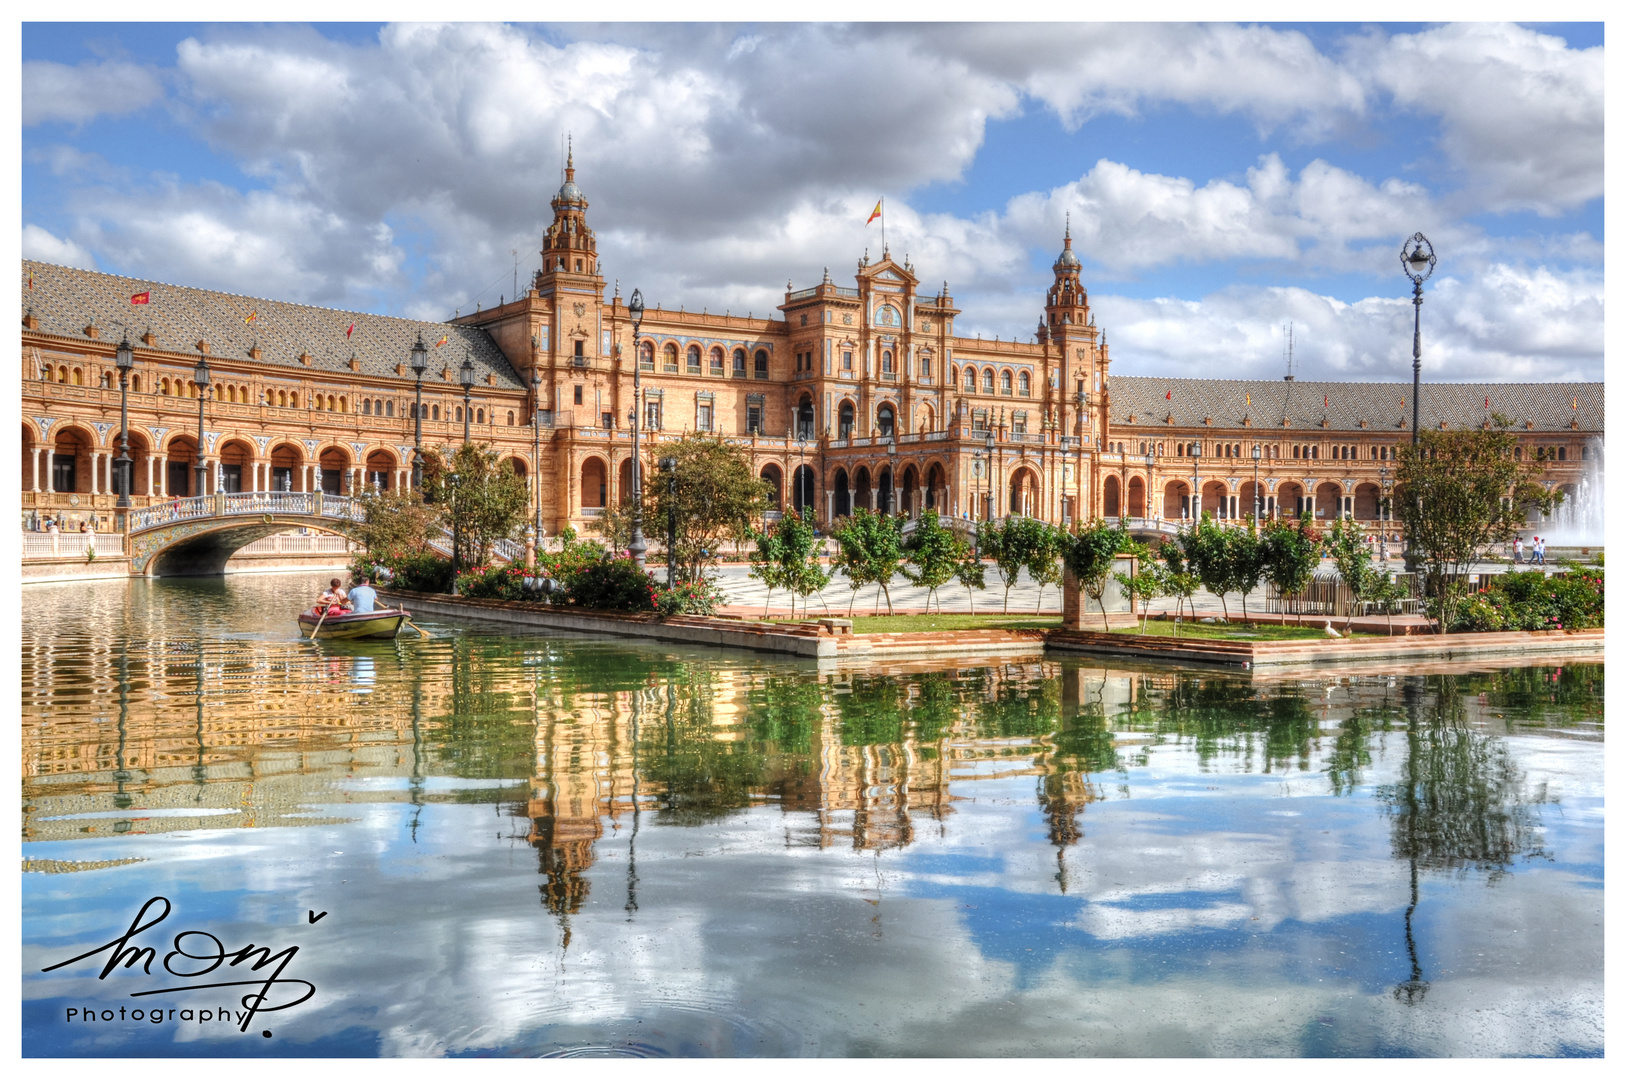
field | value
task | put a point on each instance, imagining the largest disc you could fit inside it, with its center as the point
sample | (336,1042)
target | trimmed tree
(716,498)
(799,569)
(1044,558)
(934,555)
(1289,554)
(869,551)
(1347,548)
(1090,556)
(490,501)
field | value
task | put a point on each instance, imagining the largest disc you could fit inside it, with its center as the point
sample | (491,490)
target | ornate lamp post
(1258,503)
(1383,516)
(1196,492)
(453,481)
(988,507)
(1418,263)
(536,447)
(636,546)
(420,363)
(125,359)
(200,376)
(465,375)
(669,467)
(1151,461)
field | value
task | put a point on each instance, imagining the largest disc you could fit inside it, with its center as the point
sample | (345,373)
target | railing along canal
(244,503)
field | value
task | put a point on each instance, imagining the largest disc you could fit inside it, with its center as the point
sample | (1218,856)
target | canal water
(490,844)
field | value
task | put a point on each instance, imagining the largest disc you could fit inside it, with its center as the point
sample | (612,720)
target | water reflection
(1066,823)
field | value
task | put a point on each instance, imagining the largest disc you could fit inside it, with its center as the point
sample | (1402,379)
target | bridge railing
(243,503)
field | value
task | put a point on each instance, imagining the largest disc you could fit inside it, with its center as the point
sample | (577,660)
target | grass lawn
(1236,631)
(911,624)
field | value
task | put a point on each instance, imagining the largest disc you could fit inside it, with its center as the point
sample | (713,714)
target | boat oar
(318,625)
(416,627)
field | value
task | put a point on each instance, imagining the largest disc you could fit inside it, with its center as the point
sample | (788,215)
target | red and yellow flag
(31,279)
(441,342)
(141,298)
(1326,402)
(1249,398)
(876,212)
(251,317)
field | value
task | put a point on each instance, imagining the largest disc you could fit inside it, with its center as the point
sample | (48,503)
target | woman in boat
(334,601)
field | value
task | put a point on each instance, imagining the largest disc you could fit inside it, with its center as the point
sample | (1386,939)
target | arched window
(135,384)
(885,419)
(479,416)
(646,356)
(988,381)
(886,358)
(739,363)
(925,365)
(389,408)
(970,380)
(669,358)
(367,407)
(457,416)
(78,377)
(1025,385)
(510,417)
(762,363)
(844,423)
(693,359)
(1005,383)
(717,361)
(434,412)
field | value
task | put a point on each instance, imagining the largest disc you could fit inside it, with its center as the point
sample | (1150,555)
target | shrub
(493,583)
(427,572)
(1533,601)
(691,598)
(612,585)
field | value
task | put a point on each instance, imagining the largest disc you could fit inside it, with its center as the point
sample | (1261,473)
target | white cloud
(1522,114)
(44,246)
(53,91)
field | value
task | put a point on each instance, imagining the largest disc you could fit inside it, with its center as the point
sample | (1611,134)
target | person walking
(1538,551)
(1518,550)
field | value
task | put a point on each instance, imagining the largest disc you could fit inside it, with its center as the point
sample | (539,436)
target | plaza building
(849,395)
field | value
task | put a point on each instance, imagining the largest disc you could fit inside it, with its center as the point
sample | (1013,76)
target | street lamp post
(669,467)
(1418,264)
(420,363)
(1384,516)
(536,451)
(125,358)
(200,376)
(1151,461)
(988,507)
(635,545)
(1196,499)
(453,480)
(465,375)
(1258,503)
(801,497)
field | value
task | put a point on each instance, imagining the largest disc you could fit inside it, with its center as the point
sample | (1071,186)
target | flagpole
(883,226)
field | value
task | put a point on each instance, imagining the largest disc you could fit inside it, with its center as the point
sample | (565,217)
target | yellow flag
(876,212)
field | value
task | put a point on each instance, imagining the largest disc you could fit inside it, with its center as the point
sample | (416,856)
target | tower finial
(1068,236)
(570,156)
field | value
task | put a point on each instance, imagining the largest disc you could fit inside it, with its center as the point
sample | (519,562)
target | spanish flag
(31,279)
(1326,402)
(876,212)
(1249,398)
(350,331)
(441,342)
(141,298)
(251,317)
(1575,403)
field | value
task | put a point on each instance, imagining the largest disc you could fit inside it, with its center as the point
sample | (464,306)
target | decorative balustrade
(242,503)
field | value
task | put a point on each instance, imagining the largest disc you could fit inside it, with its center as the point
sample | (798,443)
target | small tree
(768,563)
(1458,493)
(1044,557)
(869,551)
(1347,548)
(799,569)
(394,523)
(1208,555)
(490,501)
(1178,580)
(1246,555)
(971,572)
(1090,556)
(1289,554)
(715,498)
(934,553)
(1145,584)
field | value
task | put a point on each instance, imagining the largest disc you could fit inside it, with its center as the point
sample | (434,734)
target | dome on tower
(571,193)
(1067,260)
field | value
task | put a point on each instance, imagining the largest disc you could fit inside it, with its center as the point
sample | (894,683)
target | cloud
(1521,113)
(53,91)
(42,245)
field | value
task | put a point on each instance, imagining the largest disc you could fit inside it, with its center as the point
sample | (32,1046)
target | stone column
(50,471)
(95,470)
(920,501)
(36,474)
(829,507)
(163,475)
(149,475)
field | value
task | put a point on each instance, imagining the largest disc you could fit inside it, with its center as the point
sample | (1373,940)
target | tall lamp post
(988,507)
(1196,499)
(669,467)
(635,545)
(125,359)
(420,363)
(1258,503)
(200,376)
(801,498)
(465,375)
(536,449)
(1418,264)
(1383,517)
(453,480)
(1151,461)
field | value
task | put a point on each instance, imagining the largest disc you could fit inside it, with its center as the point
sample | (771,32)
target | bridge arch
(196,536)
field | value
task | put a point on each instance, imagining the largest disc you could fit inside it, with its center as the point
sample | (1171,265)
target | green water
(530,845)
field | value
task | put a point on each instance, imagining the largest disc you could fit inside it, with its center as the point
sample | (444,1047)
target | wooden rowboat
(383,624)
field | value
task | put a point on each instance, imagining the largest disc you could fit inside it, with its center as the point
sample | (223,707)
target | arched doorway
(803,489)
(911,485)
(624,483)
(1109,497)
(844,421)
(885,501)
(804,418)
(1024,489)
(335,468)
(843,495)
(863,490)
(1176,499)
(1329,502)
(595,494)
(937,488)
(1216,500)
(1367,500)
(776,493)
(381,470)
(1290,501)
(142,481)
(235,466)
(180,475)
(886,421)
(71,461)
(1137,497)
(1246,495)
(287,468)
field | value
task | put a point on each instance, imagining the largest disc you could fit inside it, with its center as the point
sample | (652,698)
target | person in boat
(363,597)
(333,601)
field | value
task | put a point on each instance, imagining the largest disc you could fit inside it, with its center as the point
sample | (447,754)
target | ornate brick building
(849,395)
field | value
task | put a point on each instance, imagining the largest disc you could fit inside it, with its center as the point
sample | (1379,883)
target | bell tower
(569,249)
(1076,356)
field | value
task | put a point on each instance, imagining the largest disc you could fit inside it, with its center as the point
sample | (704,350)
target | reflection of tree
(1459,802)
(703,776)
(1222,714)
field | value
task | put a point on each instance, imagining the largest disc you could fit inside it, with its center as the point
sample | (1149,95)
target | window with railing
(669,359)
(739,363)
(702,417)
(693,358)
(646,356)
(652,415)
(1024,385)
(762,363)
(716,361)
(1019,423)
(1005,383)
(886,362)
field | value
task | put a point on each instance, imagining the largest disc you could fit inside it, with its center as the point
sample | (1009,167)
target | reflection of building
(846,396)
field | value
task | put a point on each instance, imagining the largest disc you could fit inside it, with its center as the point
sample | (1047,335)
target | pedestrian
(1518,550)
(1541,551)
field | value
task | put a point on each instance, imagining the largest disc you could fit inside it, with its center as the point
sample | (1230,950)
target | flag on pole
(1168,395)
(31,280)
(1487,401)
(251,317)
(350,331)
(1575,403)
(141,298)
(441,342)
(876,212)
(1326,402)
(1249,398)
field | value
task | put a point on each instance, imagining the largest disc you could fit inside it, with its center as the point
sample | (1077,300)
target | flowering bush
(492,583)
(419,573)
(691,598)
(1534,601)
(612,585)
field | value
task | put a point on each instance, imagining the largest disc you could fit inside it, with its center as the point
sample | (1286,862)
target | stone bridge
(191,537)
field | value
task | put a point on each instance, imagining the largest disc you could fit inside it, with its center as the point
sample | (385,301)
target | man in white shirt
(362,597)
(1518,550)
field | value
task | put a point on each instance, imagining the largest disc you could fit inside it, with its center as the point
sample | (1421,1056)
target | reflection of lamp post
(669,467)
(453,480)
(1258,503)
(420,362)
(200,376)
(465,375)
(125,359)
(536,448)
(636,546)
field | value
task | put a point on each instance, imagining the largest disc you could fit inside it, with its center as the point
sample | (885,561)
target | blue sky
(1221,179)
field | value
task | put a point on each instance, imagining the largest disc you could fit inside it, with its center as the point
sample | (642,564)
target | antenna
(1287,349)
(515,253)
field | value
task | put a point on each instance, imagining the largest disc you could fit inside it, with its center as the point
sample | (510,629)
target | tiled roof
(65,301)
(1226,402)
